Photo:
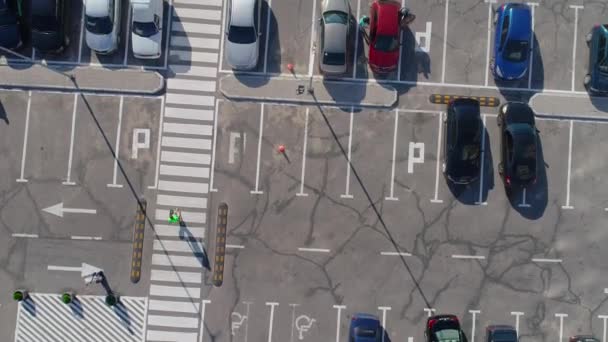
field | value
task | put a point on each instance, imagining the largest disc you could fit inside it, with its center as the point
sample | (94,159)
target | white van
(146,28)
(243,33)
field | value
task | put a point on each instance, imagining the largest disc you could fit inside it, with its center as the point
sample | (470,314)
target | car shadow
(476,193)
(384,334)
(3,114)
(536,82)
(337,89)
(531,203)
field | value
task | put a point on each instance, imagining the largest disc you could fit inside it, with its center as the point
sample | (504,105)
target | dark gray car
(334,37)
(501,333)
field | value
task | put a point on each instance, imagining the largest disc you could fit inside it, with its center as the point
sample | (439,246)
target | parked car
(384,36)
(10,24)
(583,338)
(102,25)
(518,140)
(364,328)
(513,36)
(596,80)
(50,24)
(501,333)
(146,28)
(335,37)
(243,43)
(443,328)
(462,147)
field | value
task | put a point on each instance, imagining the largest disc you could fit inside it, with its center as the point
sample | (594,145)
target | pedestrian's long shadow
(76,307)
(123,314)
(29,306)
(3,114)
(199,253)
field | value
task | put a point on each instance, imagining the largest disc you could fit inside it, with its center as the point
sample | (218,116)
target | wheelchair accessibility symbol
(237,321)
(303,324)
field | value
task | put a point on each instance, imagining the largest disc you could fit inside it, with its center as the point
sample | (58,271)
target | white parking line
(71,154)
(314,250)
(576,8)
(23,235)
(356,40)
(339,307)
(517,314)
(117,145)
(523,203)
(531,66)
(304,149)
(272,305)
(202,329)
(489,38)
(461,256)
(474,313)
(395,253)
(384,309)
(313,47)
(483,163)
(445,40)
(561,324)
(392,197)
(267,36)
(348,166)
(439,137)
(603,318)
(79,237)
(568,206)
(546,260)
(235,246)
(214,145)
(25,135)
(223,34)
(257,191)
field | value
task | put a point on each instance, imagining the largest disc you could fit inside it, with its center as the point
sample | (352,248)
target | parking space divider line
(267,36)
(392,197)
(517,314)
(304,150)
(339,308)
(461,256)
(25,135)
(348,162)
(272,305)
(523,203)
(445,40)
(547,260)
(355,54)
(483,161)
(384,309)
(488,41)
(313,48)
(576,8)
(201,334)
(214,145)
(568,206)
(72,135)
(257,170)
(117,145)
(439,137)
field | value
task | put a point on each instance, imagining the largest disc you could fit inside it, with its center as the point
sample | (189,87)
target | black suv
(596,80)
(10,30)
(50,24)
(443,328)
(462,148)
(501,333)
(518,139)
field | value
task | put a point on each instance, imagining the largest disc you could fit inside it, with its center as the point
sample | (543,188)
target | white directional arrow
(58,210)
(85,269)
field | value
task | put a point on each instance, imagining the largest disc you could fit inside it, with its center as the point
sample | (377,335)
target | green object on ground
(18,296)
(66,298)
(111,300)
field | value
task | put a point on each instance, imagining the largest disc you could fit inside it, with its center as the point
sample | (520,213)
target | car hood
(47,41)
(146,46)
(9,36)
(509,69)
(100,42)
(242,56)
(383,59)
(334,69)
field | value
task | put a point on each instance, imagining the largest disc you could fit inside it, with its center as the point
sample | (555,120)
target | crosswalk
(179,257)
(43,317)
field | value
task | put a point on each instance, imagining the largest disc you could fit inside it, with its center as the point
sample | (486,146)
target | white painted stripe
(165,305)
(235,246)
(188,27)
(190,70)
(194,129)
(460,256)
(174,230)
(78,237)
(25,235)
(182,201)
(175,261)
(184,171)
(188,84)
(157,335)
(194,143)
(186,158)
(546,260)
(195,42)
(201,188)
(176,277)
(396,253)
(319,250)
(173,321)
(199,2)
(189,113)
(184,12)
(194,56)
(195,100)
(177,246)
(187,216)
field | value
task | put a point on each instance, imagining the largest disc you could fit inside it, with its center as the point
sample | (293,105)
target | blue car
(596,80)
(364,328)
(513,36)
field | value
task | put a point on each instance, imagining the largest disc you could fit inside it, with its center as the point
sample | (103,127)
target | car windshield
(386,43)
(516,50)
(335,17)
(241,34)
(469,153)
(504,336)
(98,25)
(524,164)
(331,58)
(602,58)
(144,29)
(365,332)
(448,335)
(44,23)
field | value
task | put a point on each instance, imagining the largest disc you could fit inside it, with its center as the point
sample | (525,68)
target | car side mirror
(537,130)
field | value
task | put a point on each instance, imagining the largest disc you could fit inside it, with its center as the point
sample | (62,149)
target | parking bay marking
(257,191)
(568,206)
(302,193)
(25,135)
(339,308)
(348,164)
(117,145)
(439,137)
(531,65)
(71,153)
(576,8)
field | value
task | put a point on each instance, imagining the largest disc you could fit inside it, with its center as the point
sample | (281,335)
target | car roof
(388,17)
(519,112)
(335,5)
(241,12)
(520,27)
(466,108)
(44,7)
(334,40)
(97,8)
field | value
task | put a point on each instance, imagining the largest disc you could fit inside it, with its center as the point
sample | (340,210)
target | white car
(146,28)
(242,43)
(102,25)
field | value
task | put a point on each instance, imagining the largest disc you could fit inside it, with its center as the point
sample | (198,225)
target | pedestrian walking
(175,216)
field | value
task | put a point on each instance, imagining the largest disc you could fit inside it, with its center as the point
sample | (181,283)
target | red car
(384,36)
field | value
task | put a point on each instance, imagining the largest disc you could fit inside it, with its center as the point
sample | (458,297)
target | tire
(588,38)
(587,80)
(500,169)
(495,18)
(499,120)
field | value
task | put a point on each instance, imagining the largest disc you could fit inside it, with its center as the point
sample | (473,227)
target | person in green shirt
(175,216)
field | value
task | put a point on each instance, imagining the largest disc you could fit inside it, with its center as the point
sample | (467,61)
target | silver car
(242,43)
(102,25)
(335,36)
